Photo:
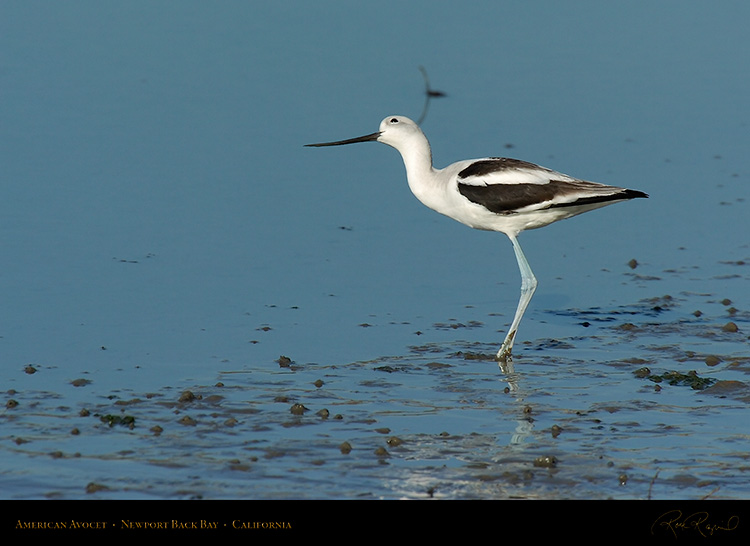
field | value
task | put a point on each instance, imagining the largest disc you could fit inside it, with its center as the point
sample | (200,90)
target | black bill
(366,138)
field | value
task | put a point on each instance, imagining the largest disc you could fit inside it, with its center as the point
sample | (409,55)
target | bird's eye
(394,120)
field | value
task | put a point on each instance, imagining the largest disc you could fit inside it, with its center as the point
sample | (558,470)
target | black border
(660,521)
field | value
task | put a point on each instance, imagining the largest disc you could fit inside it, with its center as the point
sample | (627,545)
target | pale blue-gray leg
(528,285)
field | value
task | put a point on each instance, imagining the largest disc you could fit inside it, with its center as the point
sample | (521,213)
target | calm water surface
(196,306)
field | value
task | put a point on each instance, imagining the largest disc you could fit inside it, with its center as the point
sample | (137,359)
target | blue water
(164,229)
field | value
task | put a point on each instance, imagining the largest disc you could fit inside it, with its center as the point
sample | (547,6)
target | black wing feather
(509,198)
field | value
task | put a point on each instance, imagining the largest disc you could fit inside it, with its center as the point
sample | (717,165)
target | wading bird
(493,193)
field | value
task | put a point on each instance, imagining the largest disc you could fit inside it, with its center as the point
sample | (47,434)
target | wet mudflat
(634,410)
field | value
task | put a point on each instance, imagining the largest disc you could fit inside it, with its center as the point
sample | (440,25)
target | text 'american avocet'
(494,193)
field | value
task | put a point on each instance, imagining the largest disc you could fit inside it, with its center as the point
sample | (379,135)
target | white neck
(419,171)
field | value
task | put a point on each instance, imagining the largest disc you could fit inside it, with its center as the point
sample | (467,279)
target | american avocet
(494,193)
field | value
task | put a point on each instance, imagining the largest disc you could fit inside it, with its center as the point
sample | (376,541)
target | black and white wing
(508,186)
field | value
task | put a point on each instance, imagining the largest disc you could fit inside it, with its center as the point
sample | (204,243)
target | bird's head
(394,131)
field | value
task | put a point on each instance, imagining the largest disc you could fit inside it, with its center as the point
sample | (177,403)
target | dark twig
(429,93)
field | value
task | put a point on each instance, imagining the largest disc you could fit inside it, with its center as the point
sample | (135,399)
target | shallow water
(576,419)
(179,273)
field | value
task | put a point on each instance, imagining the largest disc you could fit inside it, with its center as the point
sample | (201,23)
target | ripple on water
(639,408)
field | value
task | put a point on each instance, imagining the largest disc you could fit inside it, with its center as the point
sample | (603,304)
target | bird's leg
(528,286)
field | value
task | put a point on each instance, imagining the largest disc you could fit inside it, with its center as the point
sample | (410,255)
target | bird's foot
(504,354)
